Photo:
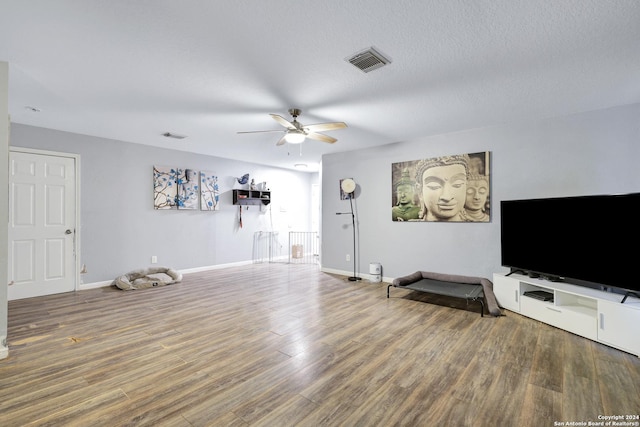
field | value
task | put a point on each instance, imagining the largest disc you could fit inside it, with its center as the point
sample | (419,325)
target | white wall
(4,195)
(120,230)
(590,153)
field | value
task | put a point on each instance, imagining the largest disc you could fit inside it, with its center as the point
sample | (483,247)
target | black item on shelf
(541,295)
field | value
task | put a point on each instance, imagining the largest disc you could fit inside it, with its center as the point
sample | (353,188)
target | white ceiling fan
(296,133)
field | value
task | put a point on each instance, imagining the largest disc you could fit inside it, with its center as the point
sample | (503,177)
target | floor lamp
(348,185)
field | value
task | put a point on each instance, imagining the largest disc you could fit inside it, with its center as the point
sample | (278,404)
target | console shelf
(251,197)
(590,313)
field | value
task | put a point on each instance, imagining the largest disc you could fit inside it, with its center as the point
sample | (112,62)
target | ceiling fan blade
(262,131)
(281,141)
(284,122)
(321,137)
(321,127)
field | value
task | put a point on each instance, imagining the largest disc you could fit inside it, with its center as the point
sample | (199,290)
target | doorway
(43,223)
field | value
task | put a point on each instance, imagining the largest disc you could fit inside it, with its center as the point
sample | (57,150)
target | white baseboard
(95,285)
(4,350)
(335,271)
(215,267)
(367,277)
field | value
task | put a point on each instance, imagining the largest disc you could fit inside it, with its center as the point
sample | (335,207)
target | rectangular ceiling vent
(368,60)
(173,135)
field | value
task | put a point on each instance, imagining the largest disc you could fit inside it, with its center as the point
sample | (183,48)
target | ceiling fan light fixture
(295,137)
(297,133)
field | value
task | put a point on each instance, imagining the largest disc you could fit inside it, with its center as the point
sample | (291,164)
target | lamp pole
(353,223)
(353,278)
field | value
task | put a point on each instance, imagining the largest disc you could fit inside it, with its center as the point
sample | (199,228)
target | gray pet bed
(148,278)
(469,288)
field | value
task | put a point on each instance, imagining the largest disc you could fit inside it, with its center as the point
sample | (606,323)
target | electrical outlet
(154,259)
(348,257)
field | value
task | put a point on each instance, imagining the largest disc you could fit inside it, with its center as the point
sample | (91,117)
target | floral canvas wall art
(188,189)
(165,187)
(209,191)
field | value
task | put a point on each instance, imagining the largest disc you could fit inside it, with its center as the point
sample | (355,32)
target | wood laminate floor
(288,345)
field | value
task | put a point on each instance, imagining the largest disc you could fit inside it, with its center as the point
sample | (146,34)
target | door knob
(68,231)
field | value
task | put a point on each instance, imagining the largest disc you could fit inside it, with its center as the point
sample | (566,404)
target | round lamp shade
(348,185)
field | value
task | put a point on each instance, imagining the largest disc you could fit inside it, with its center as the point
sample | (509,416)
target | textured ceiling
(133,70)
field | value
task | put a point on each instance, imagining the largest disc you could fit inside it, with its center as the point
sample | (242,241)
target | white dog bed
(148,278)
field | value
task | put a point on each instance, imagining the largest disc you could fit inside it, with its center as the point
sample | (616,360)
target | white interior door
(42,222)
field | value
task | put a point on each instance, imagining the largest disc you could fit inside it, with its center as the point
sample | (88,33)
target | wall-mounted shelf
(251,197)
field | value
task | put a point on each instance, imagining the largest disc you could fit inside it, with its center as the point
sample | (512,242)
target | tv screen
(591,239)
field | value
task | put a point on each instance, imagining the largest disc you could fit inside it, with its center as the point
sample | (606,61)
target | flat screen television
(585,240)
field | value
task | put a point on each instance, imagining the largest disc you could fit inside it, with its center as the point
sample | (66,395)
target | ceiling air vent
(368,60)
(173,135)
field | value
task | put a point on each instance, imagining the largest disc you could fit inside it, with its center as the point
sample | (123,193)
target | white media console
(590,313)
